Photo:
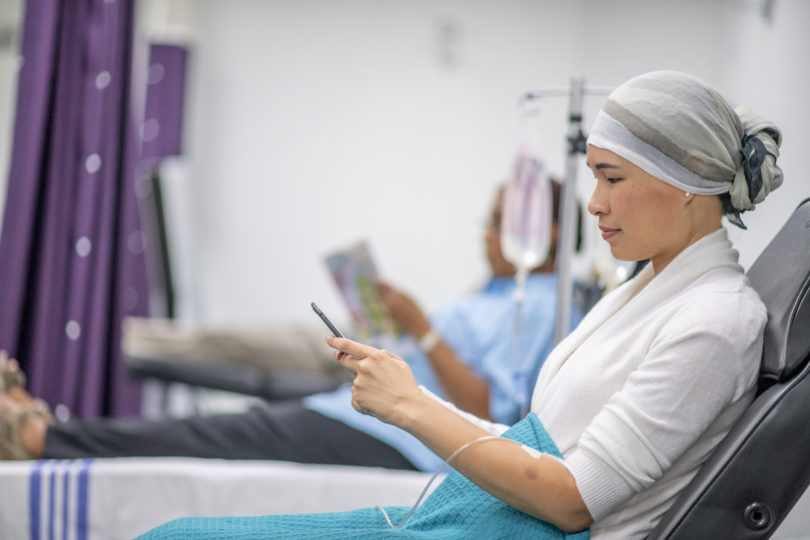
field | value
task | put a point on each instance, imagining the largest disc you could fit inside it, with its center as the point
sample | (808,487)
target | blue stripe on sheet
(65,500)
(34,496)
(82,502)
(51,499)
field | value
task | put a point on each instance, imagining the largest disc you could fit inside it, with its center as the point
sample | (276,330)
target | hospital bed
(120,498)
(747,488)
(112,499)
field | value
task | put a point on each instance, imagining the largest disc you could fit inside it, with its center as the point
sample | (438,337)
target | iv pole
(568,211)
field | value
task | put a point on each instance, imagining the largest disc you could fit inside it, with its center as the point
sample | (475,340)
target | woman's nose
(597,204)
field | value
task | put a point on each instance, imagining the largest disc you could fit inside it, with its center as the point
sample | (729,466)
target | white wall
(319,123)
(768,70)
(315,123)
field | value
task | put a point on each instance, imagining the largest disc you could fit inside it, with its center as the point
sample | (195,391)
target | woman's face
(640,216)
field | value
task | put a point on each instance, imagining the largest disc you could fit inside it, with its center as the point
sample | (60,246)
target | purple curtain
(165,98)
(71,248)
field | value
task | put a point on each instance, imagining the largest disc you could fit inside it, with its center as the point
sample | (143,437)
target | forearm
(540,486)
(462,385)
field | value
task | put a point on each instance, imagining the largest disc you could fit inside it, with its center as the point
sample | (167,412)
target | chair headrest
(781,276)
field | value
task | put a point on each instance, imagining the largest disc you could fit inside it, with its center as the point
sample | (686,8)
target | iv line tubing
(432,478)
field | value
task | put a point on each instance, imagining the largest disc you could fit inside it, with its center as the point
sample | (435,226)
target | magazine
(355,275)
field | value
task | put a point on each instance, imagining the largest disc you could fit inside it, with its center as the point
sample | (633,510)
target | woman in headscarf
(627,408)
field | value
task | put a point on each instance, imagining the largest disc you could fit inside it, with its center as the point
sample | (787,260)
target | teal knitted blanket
(457,508)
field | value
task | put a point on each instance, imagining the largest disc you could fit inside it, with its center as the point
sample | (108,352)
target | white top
(650,382)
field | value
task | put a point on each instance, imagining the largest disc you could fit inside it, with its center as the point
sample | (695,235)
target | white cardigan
(649,383)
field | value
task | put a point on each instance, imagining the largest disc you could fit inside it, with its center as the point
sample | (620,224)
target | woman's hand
(384,386)
(403,310)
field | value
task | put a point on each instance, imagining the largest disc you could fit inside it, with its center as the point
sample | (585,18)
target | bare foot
(10,375)
(32,435)
(23,419)
(23,426)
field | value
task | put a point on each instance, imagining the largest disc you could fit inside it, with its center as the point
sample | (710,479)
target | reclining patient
(472,365)
(627,408)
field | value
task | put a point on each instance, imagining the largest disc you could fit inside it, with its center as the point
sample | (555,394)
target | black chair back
(762,467)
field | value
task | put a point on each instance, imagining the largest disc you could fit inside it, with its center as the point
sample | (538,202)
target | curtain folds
(72,250)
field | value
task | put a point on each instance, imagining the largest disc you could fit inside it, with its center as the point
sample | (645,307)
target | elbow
(574,516)
(570,518)
(575,521)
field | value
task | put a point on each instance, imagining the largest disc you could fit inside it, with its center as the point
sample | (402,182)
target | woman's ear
(688,197)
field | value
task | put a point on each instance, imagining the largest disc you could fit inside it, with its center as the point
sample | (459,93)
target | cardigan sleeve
(703,360)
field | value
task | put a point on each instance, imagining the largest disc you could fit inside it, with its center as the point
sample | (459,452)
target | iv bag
(526,214)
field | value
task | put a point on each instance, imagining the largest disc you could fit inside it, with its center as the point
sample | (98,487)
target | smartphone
(326,321)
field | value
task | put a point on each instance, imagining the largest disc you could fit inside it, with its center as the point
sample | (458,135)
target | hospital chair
(753,479)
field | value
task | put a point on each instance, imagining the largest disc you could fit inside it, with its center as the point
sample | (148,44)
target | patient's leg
(279,430)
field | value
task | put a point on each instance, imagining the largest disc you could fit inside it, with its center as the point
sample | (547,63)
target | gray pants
(277,430)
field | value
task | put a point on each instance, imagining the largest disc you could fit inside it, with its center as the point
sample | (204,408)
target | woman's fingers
(382,380)
(353,348)
(362,410)
(348,352)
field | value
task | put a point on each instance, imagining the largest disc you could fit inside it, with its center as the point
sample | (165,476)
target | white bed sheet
(107,499)
(110,499)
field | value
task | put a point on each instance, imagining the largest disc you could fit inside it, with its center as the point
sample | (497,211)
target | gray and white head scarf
(679,130)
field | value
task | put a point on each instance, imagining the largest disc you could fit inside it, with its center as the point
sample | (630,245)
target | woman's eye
(613,180)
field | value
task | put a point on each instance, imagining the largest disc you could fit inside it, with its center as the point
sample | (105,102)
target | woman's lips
(608,233)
